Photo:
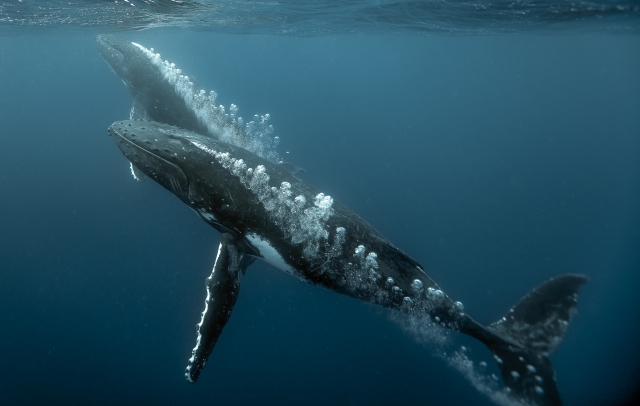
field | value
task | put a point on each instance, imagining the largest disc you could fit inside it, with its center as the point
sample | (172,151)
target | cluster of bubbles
(254,136)
(361,273)
(335,251)
(423,329)
(432,332)
(302,223)
(485,383)
(259,139)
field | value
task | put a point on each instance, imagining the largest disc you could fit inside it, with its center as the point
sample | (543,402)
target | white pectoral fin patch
(269,254)
(138,175)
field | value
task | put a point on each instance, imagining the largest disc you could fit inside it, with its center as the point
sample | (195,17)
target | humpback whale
(263,211)
(163,93)
(227,171)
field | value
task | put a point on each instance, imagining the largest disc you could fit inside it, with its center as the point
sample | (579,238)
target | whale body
(263,211)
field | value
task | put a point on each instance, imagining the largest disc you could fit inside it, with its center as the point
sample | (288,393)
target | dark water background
(496,161)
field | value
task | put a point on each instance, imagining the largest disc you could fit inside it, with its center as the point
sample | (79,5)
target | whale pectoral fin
(138,175)
(223,287)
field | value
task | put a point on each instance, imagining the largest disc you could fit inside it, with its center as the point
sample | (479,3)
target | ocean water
(496,143)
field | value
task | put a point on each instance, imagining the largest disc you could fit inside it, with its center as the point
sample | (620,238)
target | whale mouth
(143,154)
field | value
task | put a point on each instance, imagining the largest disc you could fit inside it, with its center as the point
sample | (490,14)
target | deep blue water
(496,161)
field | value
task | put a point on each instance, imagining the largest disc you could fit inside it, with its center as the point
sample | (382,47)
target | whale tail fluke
(523,339)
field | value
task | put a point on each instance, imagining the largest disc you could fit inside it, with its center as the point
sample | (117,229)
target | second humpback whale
(163,93)
(206,157)
(264,211)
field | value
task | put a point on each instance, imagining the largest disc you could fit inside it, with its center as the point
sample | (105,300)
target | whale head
(159,151)
(122,56)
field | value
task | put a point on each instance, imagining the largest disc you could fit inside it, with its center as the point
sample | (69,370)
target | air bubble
(300,201)
(435,293)
(515,374)
(324,202)
(531,369)
(498,359)
(285,189)
(371,261)
(539,390)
